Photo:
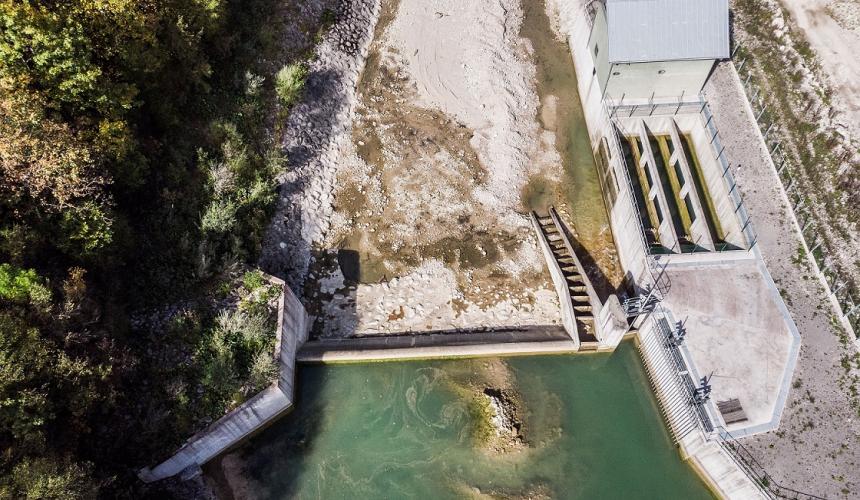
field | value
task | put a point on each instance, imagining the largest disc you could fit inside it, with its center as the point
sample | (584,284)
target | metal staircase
(582,302)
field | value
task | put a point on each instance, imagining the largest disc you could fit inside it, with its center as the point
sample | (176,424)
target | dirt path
(832,28)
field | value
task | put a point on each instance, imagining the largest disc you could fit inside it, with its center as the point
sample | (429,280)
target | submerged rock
(505,420)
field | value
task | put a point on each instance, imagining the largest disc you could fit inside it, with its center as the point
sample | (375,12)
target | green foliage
(241,188)
(23,286)
(47,479)
(136,142)
(219,217)
(24,406)
(289,83)
(264,370)
(253,280)
(87,229)
(232,355)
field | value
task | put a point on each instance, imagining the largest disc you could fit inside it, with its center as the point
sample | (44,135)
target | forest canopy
(138,156)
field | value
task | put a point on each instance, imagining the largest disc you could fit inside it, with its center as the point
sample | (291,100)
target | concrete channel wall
(269,404)
(624,218)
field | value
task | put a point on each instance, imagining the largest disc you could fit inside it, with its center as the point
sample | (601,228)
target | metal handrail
(744,218)
(763,480)
(661,281)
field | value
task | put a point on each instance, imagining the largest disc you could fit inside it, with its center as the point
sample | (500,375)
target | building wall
(598,45)
(641,80)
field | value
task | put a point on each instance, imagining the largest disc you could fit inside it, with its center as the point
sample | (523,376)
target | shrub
(23,286)
(289,83)
(38,478)
(264,370)
(219,217)
(88,228)
(253,280)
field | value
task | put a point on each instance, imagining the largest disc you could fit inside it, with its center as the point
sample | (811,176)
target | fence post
(816,243)
(841,284)
(768,130)
(800,204)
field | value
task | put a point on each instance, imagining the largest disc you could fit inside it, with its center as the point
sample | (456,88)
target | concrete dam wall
(293,327)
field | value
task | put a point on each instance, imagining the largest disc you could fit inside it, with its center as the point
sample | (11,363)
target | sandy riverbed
(427,229)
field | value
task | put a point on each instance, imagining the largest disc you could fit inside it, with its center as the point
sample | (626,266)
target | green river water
(407,430)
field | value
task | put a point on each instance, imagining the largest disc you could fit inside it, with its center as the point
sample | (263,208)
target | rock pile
(505,420)
(314,127)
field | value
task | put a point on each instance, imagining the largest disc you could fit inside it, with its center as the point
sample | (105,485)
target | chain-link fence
(839,284)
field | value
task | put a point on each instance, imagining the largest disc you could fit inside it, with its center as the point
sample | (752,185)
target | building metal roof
(667,30)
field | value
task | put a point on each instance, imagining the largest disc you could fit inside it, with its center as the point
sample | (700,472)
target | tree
(24,403)
(53,479)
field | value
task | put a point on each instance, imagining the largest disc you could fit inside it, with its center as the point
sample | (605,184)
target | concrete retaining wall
(623,217)
(362,354)
(293,329)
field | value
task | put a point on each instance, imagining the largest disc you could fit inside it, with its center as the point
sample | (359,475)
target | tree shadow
(311,126)
(325,304)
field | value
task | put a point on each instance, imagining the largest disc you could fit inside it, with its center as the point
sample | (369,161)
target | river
(410,430)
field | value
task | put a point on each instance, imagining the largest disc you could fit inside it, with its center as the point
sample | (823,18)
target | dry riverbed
(427,229)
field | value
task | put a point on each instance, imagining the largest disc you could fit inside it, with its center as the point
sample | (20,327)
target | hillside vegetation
(138,152)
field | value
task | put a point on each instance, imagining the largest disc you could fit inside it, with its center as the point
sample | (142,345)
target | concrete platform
(738,329)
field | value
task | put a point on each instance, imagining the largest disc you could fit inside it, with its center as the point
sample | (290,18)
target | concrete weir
(517,341)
